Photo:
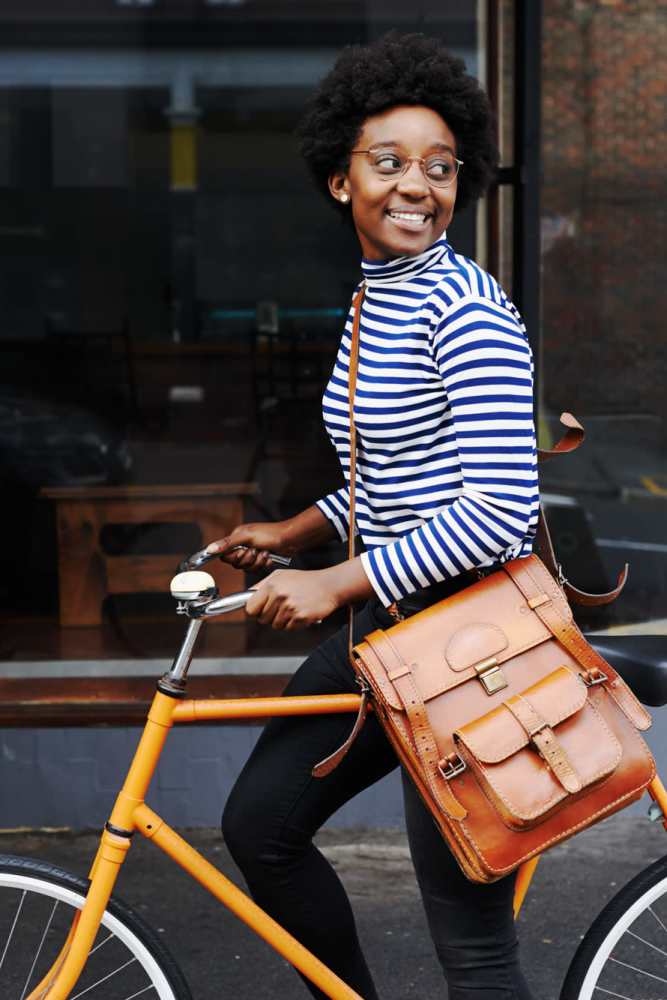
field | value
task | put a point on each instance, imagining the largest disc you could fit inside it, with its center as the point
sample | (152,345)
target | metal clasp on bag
(592,677)
(450,766)
(490,674)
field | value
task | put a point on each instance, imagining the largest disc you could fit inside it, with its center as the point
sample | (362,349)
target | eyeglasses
(439,169)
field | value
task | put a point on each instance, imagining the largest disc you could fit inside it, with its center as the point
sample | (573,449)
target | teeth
(409,216)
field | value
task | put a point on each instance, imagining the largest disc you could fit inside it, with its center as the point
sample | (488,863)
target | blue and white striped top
(446,455)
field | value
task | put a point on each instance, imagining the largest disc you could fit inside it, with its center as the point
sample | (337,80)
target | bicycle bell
(193,587)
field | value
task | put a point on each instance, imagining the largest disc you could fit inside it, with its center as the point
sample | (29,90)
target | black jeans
(276,807)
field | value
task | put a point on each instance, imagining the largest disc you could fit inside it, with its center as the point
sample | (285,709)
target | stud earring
(345,197)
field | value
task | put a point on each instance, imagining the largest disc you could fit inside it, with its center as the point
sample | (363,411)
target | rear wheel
(624,953)
(37,905)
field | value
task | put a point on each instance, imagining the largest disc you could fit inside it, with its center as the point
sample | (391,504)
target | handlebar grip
(200,558)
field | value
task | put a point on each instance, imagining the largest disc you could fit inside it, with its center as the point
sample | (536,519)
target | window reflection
(172,297)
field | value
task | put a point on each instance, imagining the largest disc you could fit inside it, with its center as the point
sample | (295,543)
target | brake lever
(200,558)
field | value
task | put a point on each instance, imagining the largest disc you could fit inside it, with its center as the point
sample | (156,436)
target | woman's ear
(339,186)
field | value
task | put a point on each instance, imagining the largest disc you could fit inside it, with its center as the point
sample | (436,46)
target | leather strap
(403,680)
(570,441)
(544,547)
(544,738)
(563,628)
(329,763)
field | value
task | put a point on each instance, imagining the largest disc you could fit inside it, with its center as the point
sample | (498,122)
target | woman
(446,484)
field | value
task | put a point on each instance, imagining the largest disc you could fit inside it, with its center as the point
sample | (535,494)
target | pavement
(221,958)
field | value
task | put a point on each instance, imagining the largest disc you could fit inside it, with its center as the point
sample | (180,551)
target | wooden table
(87,574)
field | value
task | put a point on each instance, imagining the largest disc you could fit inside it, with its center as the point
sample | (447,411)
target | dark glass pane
(603,344)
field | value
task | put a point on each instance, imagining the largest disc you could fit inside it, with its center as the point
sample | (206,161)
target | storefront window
(172,294)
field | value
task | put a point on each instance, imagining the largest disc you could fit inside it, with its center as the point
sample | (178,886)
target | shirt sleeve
(336,508)
(483,356)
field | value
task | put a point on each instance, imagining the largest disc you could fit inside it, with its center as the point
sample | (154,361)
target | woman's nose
(413,181)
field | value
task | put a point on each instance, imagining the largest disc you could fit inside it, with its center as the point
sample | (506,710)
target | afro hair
(399,70)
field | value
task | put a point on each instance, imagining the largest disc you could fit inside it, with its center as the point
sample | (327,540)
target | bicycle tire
(37,904)
(624,952)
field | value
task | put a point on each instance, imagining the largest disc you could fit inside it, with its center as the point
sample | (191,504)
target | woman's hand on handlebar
(293,598)
(258,541)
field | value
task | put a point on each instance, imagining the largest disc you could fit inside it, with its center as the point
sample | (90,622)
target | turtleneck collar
(384,272)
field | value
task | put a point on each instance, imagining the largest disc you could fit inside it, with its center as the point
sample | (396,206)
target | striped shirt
(446,475)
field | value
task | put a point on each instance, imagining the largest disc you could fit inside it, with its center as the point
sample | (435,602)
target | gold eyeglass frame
(408,160)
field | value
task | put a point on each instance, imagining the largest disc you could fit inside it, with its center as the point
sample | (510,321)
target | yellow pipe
(523,879)
(258,708)
(50,976)
(152,826)
(62,977)
(658,793)
(144,762)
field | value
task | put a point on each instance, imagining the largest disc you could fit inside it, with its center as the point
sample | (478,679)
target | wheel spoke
(657,918)
(37,903)
(647,943)
(610,993)
(39,950)
(633,968)
(97,947)
(13,927)
(104,979)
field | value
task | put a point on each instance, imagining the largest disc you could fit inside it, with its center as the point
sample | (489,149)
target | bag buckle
(451,765)
(363,684)
(593,677)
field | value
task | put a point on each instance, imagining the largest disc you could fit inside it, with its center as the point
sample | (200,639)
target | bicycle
(80,940)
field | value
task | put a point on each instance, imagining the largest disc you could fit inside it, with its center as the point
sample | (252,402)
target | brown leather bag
(515,731)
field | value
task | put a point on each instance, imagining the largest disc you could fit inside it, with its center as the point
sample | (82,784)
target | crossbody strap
(352,389)
(327,765)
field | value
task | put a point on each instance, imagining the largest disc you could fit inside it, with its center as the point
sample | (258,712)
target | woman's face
(402,216)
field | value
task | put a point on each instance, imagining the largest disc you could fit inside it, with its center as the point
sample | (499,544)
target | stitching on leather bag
(551,585)
(626,690)
(474,746)
(570,830)
(602,772)
(612,735)
(417,701)
(557,595)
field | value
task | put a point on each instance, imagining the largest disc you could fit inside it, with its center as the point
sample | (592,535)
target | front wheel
(624,952)
(37,905)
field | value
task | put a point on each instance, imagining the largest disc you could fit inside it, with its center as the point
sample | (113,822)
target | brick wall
(605,206)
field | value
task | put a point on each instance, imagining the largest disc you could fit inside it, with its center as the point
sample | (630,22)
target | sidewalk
(221,958)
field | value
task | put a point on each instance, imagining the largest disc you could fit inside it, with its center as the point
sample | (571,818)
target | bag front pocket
(539,750)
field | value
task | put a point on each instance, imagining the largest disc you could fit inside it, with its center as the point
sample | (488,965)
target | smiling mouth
(411,220)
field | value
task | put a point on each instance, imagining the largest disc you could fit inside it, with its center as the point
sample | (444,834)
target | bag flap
(571,749)
(499,734)
(443,643)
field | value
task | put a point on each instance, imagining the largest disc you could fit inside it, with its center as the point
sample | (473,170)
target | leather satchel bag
(516,732)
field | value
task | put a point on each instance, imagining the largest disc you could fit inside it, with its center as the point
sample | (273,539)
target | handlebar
(200,558)
(230,602)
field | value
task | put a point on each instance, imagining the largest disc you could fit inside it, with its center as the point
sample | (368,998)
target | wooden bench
(87,574)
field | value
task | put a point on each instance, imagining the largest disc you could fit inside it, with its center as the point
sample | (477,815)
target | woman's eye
(439,168)
(388,162)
